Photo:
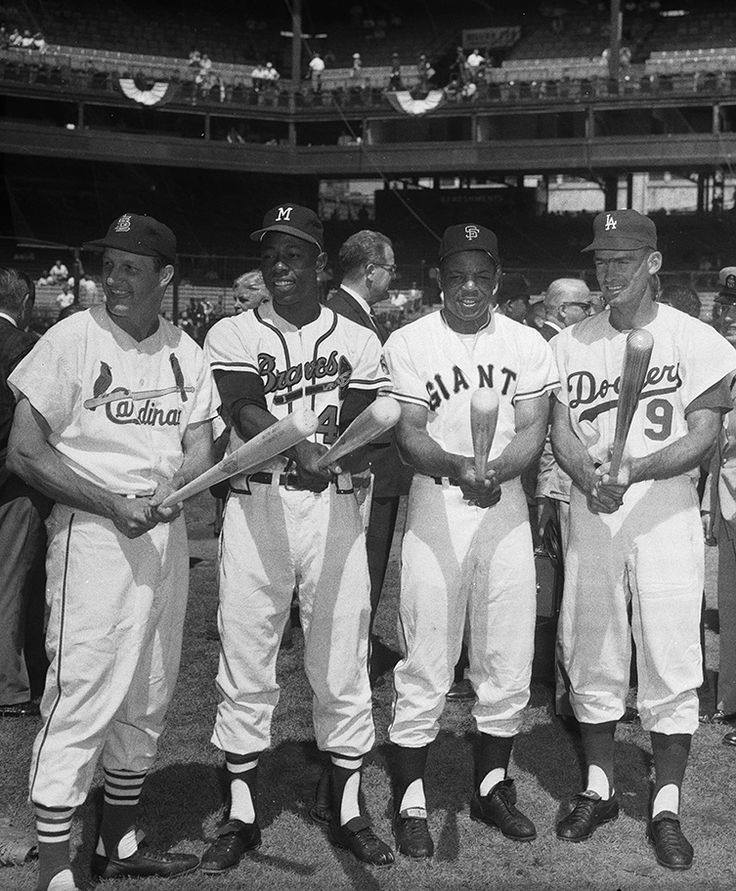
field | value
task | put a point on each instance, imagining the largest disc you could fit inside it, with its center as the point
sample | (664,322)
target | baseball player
(467,547)
(114,413)
(290,524)
(636,540)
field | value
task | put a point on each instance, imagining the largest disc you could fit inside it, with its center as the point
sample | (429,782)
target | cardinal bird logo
(104,379)
(178,376)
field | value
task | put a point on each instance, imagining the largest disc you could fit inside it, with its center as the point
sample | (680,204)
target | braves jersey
(117,408)
(309,367)
(688,358)
(434,366)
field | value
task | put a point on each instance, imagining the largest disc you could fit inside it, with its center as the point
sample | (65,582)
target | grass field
(183,797)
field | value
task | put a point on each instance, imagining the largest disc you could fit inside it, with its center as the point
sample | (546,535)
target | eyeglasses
(389,267)
(586,307)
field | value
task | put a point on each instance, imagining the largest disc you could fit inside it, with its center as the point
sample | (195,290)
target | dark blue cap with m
(292,219)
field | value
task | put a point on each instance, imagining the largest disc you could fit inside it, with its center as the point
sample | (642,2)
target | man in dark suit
(367,262)
(22,532)
(566,301)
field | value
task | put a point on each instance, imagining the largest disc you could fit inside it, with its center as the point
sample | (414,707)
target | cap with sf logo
(469,237)
(292,219)
(622,230)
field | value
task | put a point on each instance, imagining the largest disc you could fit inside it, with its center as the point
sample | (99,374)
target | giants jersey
(688,358)
(309,367)
(117,408)
(434,366)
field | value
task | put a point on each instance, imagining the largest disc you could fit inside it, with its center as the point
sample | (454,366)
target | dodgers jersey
(688,358)
(309,367)
(434,366)
(117,408)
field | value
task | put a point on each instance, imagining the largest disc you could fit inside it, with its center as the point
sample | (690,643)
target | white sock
(349,807)
(413,798)
(491,779)
(127,846)
(667,799)
(241,802)
(598,782)
(62,881)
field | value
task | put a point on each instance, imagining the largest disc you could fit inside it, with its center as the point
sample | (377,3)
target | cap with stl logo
(301,222)
(622,230)
(469,237)
(139,234)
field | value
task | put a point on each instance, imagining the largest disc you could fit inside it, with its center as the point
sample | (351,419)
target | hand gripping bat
(266,445)
(637,353)
(483,419)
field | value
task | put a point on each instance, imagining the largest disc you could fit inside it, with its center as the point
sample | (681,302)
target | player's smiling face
(290,266)
(134,285)
(469,280)
(625,276)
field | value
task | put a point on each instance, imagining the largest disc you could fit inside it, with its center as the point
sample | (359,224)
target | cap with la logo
(292,219)
(622,230)
(469,237)
(139,234)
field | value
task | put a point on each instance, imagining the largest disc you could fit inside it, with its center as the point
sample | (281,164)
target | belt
(291,481)
(438,481)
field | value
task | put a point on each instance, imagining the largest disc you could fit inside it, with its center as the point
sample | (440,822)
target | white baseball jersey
(434,366)
(311,367)
(117,408)
(688,358)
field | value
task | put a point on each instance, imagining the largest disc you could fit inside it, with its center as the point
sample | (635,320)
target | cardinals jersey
(309,367)
(117,408)
(688,358)
(434,366)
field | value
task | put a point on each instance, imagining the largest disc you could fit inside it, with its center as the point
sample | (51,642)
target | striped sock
(242,771)
(117,832)
(345,785)
(53,826)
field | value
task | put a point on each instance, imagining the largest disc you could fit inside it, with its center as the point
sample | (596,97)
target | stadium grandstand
(533,115)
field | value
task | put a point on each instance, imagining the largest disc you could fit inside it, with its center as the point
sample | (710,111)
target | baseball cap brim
(124,245)
(621,244)
(287,230)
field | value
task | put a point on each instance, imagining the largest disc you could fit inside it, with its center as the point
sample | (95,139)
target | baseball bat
(483,420)
(265,445)
(637,353)
(380,416)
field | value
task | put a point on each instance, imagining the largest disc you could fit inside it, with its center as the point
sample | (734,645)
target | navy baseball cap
(469,237)
(622,230)
(292,219)
(139,234)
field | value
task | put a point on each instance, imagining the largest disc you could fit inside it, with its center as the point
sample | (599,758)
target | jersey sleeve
(206,401)
(407,384)
(368,373)
(227,350)
(539,374)
(558,346)
(48,379)
(708,358)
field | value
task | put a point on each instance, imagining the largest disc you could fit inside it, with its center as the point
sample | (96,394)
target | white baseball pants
(457,558)
(114,635)
(272,540)
(650,553)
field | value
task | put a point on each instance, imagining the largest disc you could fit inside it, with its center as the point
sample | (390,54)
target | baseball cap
(622,230)
(139,234)
(469,237)
(301,222)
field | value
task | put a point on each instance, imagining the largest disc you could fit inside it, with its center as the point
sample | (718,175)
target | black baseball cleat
(671,848)
(143,863)
(589,811)
(412,834)
(357,837)
(321,810)
(498,809)
(231,841)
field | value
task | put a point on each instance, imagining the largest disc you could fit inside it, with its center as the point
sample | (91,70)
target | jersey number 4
(659,412)
(327,425)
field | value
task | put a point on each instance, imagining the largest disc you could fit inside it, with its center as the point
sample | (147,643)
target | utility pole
(296,52)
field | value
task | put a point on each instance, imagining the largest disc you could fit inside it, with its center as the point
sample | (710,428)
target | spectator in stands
(460,64)
(536,315)
(39,42)
(316,67)
(65,297)
(205,64)
(58,272)
(22,531)
(356,70)
(16,38)
(424,72)
(194,58)
(257,77)
(26,40)
(394,81)
(88,293)
(513,296)
(249,291)
(474,63)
